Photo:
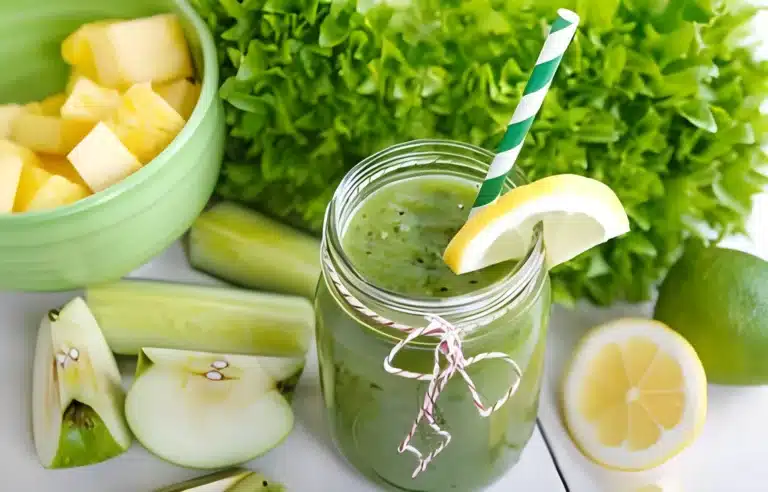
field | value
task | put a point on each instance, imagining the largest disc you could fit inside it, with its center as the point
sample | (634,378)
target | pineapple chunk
(101,159)
(18,174)
(181,95)
(74,76)
(11,165)
(76,48)
(32,179)
(145,122)
(8,113)
(51,105)
(87,101)
(150,49)
(56,191)
(33,108)
(58,164)
(49,134)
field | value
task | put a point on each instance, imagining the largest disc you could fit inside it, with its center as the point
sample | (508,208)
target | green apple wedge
(209,410)
(77,397)
(232,480)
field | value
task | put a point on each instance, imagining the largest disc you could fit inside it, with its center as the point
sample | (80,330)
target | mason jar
(370,407)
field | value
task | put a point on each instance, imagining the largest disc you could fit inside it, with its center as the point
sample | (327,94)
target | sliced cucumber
(233,480)
(139,313)
(208,410)
(247,248)
(77,397)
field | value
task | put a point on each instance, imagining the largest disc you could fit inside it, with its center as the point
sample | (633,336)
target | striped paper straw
(560,35)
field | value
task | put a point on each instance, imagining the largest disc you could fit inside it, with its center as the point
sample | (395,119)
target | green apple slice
(209,410)
(225,481)
(256,482)
(77,397)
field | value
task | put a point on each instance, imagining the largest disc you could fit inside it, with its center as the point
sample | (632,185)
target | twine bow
(449,347)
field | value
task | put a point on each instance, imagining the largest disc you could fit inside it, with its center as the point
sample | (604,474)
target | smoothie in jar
(388,244)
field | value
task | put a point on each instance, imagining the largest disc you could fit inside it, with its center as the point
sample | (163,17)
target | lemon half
(577,213)
(634,395)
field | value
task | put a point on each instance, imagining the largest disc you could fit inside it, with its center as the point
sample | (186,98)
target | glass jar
(371,410)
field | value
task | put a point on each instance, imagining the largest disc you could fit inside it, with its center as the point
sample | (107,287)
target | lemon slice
(577,213)
(634,395)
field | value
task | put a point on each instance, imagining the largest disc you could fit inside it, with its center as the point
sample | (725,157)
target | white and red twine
(450,347)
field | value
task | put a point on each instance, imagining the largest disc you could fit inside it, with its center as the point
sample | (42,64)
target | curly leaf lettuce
(656,98)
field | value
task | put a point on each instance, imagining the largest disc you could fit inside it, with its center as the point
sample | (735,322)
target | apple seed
(61,358)
(214,375)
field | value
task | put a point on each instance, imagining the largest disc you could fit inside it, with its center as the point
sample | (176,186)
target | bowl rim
(208,93)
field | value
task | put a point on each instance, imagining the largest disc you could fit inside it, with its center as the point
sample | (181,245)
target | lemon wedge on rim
(634,395)
(577,213)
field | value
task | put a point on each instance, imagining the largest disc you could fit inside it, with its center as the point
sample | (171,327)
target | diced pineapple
(74,76)
(51,105)
(8,113)
(49,134)
(181,94)
(32,179)
(145,122)
(58,164)
(101,159)
(33,107)
(57,191)
(76,48)
(11,166)
(90,102)
(150,49)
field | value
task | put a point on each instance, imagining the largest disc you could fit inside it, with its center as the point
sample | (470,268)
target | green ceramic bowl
(108,234)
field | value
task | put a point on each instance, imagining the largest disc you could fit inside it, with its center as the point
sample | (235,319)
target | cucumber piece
(249,249)
(77,397)
(142,313)
(208,410)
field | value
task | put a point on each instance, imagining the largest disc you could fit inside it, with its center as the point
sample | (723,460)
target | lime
(718,300)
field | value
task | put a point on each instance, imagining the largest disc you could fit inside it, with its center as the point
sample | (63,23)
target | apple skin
(84,439)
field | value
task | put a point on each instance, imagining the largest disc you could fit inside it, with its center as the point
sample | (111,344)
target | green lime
(718,300)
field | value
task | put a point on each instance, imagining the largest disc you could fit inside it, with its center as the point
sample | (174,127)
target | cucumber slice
(234,480)
(77,397)
(249,249)
(139,313)
(208,410)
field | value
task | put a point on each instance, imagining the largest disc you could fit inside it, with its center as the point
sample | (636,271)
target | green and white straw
(560,35)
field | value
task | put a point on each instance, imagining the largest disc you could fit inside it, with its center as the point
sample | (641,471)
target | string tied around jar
(449,347)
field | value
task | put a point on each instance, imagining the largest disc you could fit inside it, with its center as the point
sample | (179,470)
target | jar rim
(465,308)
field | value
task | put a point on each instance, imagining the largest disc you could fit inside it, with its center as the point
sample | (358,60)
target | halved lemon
(635,394)
(577,213)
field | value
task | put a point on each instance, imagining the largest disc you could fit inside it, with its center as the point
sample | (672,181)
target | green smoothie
(395,240)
